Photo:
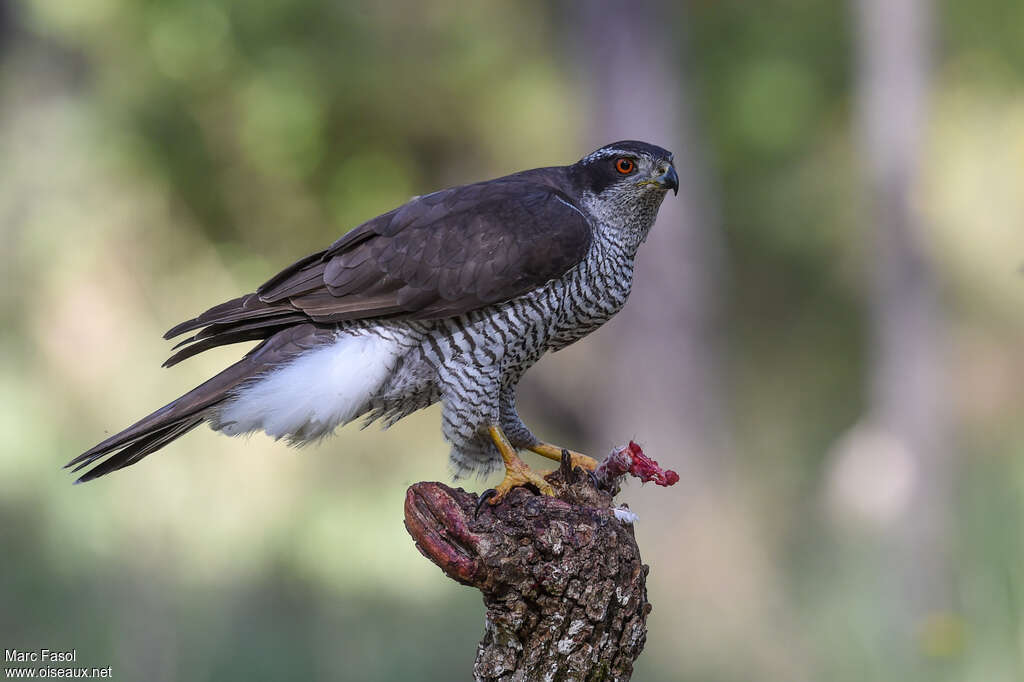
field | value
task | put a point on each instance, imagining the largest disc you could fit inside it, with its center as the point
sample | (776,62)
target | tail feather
(180,416)
(138,449)
(161,427)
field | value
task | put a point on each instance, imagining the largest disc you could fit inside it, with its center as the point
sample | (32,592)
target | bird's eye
(625,166)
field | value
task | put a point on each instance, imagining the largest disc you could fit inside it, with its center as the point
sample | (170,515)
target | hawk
(450,297)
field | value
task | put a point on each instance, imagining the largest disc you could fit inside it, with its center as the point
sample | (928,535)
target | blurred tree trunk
(659,379)
(664,344)
(905,432)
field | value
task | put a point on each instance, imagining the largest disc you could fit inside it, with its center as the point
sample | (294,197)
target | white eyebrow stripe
(605,153)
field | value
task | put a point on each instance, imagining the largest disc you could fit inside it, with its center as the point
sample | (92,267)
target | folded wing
(440,255)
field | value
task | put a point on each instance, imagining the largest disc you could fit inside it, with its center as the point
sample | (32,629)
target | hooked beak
(669,179)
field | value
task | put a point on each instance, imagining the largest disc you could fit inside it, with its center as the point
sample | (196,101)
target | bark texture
(561,577)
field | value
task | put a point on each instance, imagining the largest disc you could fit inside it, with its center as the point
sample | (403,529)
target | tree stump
(561,577)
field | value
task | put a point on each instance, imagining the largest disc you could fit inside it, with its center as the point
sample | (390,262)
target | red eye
(624,166)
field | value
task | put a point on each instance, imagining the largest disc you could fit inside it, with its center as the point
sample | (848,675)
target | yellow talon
(517,473)
(555,452)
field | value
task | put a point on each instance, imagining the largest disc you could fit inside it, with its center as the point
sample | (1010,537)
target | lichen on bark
(561,577)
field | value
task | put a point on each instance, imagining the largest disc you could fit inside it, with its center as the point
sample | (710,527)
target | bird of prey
(450,297)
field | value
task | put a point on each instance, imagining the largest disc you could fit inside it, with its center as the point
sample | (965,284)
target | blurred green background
(853,497)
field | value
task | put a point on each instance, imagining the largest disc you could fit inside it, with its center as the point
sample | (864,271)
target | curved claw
(565,466)
(594,480)
(484,496)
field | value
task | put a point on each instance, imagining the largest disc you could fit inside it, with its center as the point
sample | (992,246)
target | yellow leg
(555,452)
(517,473)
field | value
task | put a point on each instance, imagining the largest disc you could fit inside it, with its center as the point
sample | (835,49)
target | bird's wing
(439,255)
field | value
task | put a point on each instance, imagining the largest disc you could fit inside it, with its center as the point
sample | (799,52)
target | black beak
(669,180)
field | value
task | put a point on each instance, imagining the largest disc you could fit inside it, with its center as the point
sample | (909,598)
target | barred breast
(474,361)
(592,293)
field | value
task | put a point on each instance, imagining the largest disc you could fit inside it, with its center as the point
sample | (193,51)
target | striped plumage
(450,297)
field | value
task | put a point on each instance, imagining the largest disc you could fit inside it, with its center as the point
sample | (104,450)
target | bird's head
(624,182)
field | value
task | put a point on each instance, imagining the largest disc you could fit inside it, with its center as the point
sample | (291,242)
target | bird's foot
(554,452)
(512,480)
(517,472)
(518,477)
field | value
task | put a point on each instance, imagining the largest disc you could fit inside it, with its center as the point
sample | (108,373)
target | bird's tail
(156,430)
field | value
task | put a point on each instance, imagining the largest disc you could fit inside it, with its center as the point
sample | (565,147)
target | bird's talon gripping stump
(517,472)
(554,452)
(570,470)
(561,577)
(565,466)
(519,478)
(484,496)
